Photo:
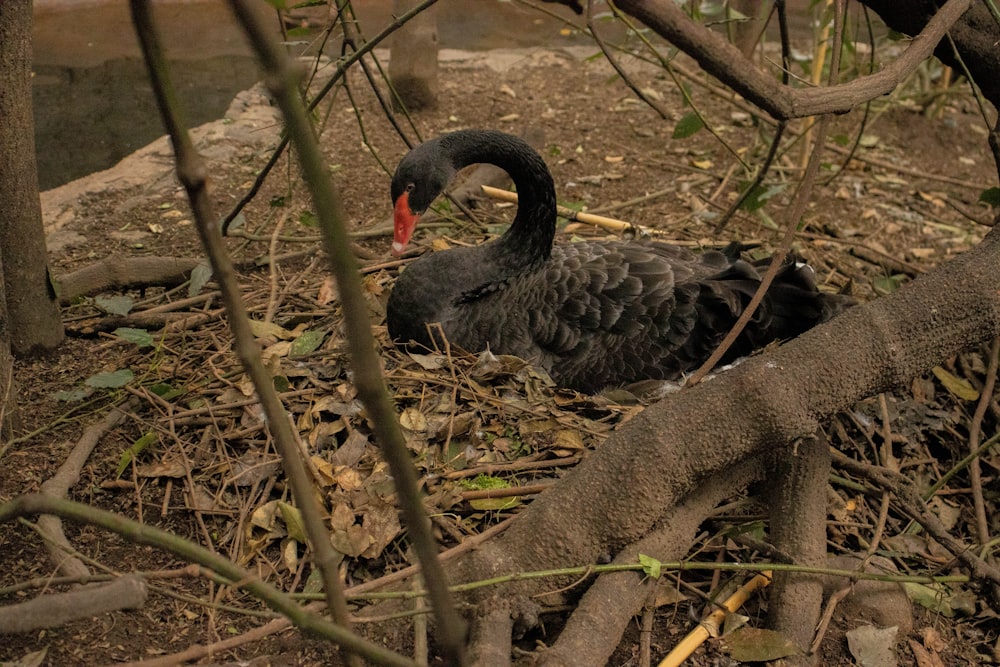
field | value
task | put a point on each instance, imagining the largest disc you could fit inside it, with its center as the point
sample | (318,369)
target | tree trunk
(8,394)
(975,36)
(745,34)
(413,61)
(34,323)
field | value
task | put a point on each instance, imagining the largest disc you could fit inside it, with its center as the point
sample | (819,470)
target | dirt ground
(905,202)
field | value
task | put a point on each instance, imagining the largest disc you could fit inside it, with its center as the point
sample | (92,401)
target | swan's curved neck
(528,241)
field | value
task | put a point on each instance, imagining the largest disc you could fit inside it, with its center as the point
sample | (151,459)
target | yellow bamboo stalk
(820,49)
(710,624)
(610,224)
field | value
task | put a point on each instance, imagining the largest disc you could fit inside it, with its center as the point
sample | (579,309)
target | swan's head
(420,177)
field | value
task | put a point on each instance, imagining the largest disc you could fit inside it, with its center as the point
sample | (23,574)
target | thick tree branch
(618,493)
(975,33)
(725,62)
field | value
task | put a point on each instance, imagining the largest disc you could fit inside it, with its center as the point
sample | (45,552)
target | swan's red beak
(404,221)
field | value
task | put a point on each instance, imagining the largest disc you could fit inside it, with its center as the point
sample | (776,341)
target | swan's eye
(410,187)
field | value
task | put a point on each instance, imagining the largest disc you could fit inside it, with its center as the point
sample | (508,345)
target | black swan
(592,313)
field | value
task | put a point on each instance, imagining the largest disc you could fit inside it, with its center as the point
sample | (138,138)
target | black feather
(592,313)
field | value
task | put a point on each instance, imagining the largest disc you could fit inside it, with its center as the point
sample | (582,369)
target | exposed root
(59,485)
(51,611)
(125,273)
(595,629)
(798,526)
(491,637)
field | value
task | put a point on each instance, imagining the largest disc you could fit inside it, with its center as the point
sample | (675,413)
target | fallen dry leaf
(925,658)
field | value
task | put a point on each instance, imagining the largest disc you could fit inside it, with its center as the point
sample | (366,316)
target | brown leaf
(382,523)
(325,470)
(200,500)
(350,453)
(253,468)
(265,517)
(347,478)
(756,645)
(932,639)
(873,646)
(567,441)
(172,467)
(413,419)
(924,657)
(346,535)
(327,292)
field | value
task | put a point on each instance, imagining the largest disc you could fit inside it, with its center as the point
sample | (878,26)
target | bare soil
(900,205)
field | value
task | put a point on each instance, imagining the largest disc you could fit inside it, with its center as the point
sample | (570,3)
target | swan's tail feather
(793,304)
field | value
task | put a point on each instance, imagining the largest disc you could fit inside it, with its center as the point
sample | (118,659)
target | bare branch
(725,62)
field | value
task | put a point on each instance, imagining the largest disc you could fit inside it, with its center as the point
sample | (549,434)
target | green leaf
(754,529)
(495,504)
(888,284)
(483,482)
(759,196)
(314,582)
(650,566)
(754,645)
(991,197)
(308,219)
(956,385)
(936,598)
(690,124)
(165,391)
(111,380)
(114,305)
(293,521)
(133,452)
(307,342)
(200,275)
(140,337)
(73,395)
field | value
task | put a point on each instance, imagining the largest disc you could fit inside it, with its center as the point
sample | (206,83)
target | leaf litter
(477,423)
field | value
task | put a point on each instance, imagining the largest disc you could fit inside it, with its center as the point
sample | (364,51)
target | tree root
(125,272)
(50,611)
(166,322)
(58,486)
(798,526)
(47,611)
(617,494)
(595,628)
(491,642)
